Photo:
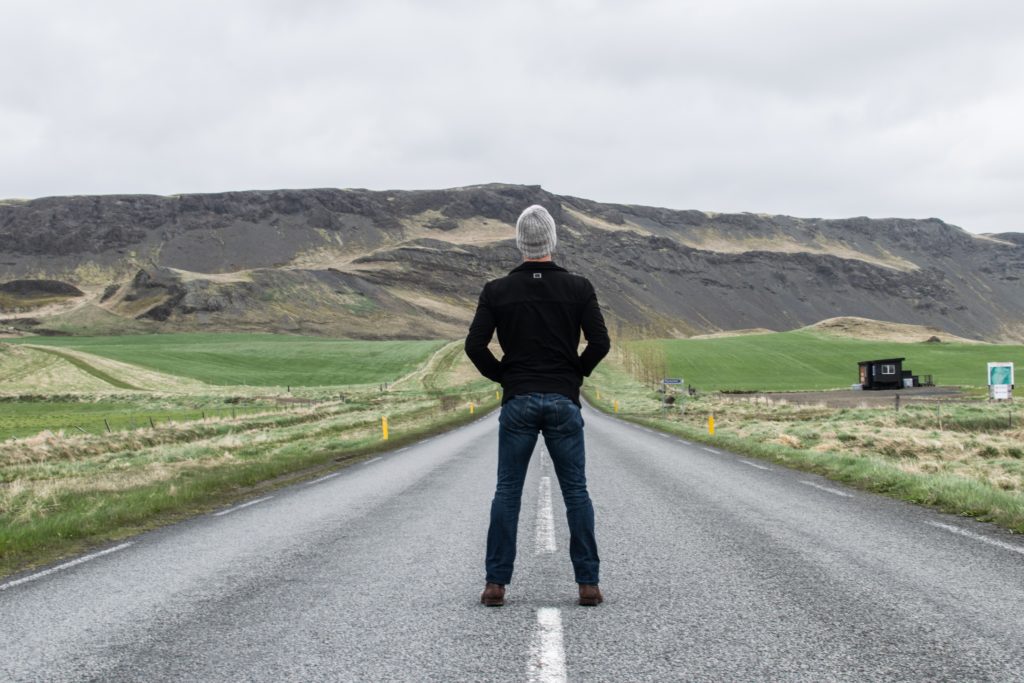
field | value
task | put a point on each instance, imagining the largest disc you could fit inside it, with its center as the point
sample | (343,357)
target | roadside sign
(1000,373)
(671,381)
(1000,381)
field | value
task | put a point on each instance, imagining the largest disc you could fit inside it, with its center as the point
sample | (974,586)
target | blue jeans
(522,417)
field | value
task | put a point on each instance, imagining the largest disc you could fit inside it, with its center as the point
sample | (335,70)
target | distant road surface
(715,568)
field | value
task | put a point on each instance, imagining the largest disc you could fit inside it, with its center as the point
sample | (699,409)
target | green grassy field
(257,359)
(800,360)
(75,415)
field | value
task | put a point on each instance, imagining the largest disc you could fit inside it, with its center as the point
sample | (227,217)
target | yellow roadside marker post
(711,425)
(384,426)
(598,394)
(616,404)
(472,408)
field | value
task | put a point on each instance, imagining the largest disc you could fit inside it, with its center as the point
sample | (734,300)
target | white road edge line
(547,665)
(239,507)
(978,537)
(373,460)
(400,450)
(754,464)
(545,534)
(324,478)
(60,567)
(709,450)
(828,489)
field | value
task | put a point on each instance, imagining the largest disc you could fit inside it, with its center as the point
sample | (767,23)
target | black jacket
(538,310)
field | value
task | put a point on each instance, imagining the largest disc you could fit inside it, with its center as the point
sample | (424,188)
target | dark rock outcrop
(32,288)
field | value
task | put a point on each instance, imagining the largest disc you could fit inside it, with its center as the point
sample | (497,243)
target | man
(539,309)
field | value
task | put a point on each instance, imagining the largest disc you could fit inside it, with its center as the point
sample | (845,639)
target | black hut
(886,373)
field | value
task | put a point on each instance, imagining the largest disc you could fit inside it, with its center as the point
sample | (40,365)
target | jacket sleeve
(480,332)
(598,343)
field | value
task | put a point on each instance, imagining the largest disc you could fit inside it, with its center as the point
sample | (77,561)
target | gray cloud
(791,106)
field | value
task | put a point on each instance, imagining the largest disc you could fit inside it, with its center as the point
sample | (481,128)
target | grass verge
(39,529)
(973,467)
(66,491)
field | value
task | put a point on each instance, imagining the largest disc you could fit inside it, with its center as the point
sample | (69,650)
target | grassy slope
(801,360)
(258,359)
(60,494)
(94,371)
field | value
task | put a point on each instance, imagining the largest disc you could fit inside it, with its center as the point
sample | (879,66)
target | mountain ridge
(408,263)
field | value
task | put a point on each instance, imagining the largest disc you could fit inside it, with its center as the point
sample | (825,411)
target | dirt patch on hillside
(883,330)
(733,333)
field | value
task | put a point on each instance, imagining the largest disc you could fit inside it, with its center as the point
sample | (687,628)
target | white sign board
(1000,381)
(1000,373)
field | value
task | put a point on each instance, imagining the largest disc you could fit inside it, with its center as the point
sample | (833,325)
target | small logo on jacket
(537,276)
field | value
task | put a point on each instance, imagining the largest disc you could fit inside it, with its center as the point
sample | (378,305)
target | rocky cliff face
(410,264)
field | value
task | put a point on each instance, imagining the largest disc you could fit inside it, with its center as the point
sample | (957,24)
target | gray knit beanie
(535,232)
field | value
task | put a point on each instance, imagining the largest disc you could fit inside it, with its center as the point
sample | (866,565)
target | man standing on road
(539,309)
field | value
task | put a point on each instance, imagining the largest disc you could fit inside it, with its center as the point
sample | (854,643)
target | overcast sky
(801,107)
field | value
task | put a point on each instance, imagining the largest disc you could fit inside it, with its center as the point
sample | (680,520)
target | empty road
(715,567)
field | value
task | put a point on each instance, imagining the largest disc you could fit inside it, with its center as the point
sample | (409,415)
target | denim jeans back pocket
(566,416)
(517,412)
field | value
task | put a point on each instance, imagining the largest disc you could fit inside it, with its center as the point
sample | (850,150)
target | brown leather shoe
(493,595)
(590,595)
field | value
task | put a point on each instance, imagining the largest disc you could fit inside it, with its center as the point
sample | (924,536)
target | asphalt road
(715,567)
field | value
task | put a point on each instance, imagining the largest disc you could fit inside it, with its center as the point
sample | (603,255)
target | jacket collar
(537,265)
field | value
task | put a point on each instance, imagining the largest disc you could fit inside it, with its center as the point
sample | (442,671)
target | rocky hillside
(368,264)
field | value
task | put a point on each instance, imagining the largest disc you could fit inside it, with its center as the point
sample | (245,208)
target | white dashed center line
(547,663)
(977,537)
(828,489)
(545,536)
(59,567)
(239,507)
